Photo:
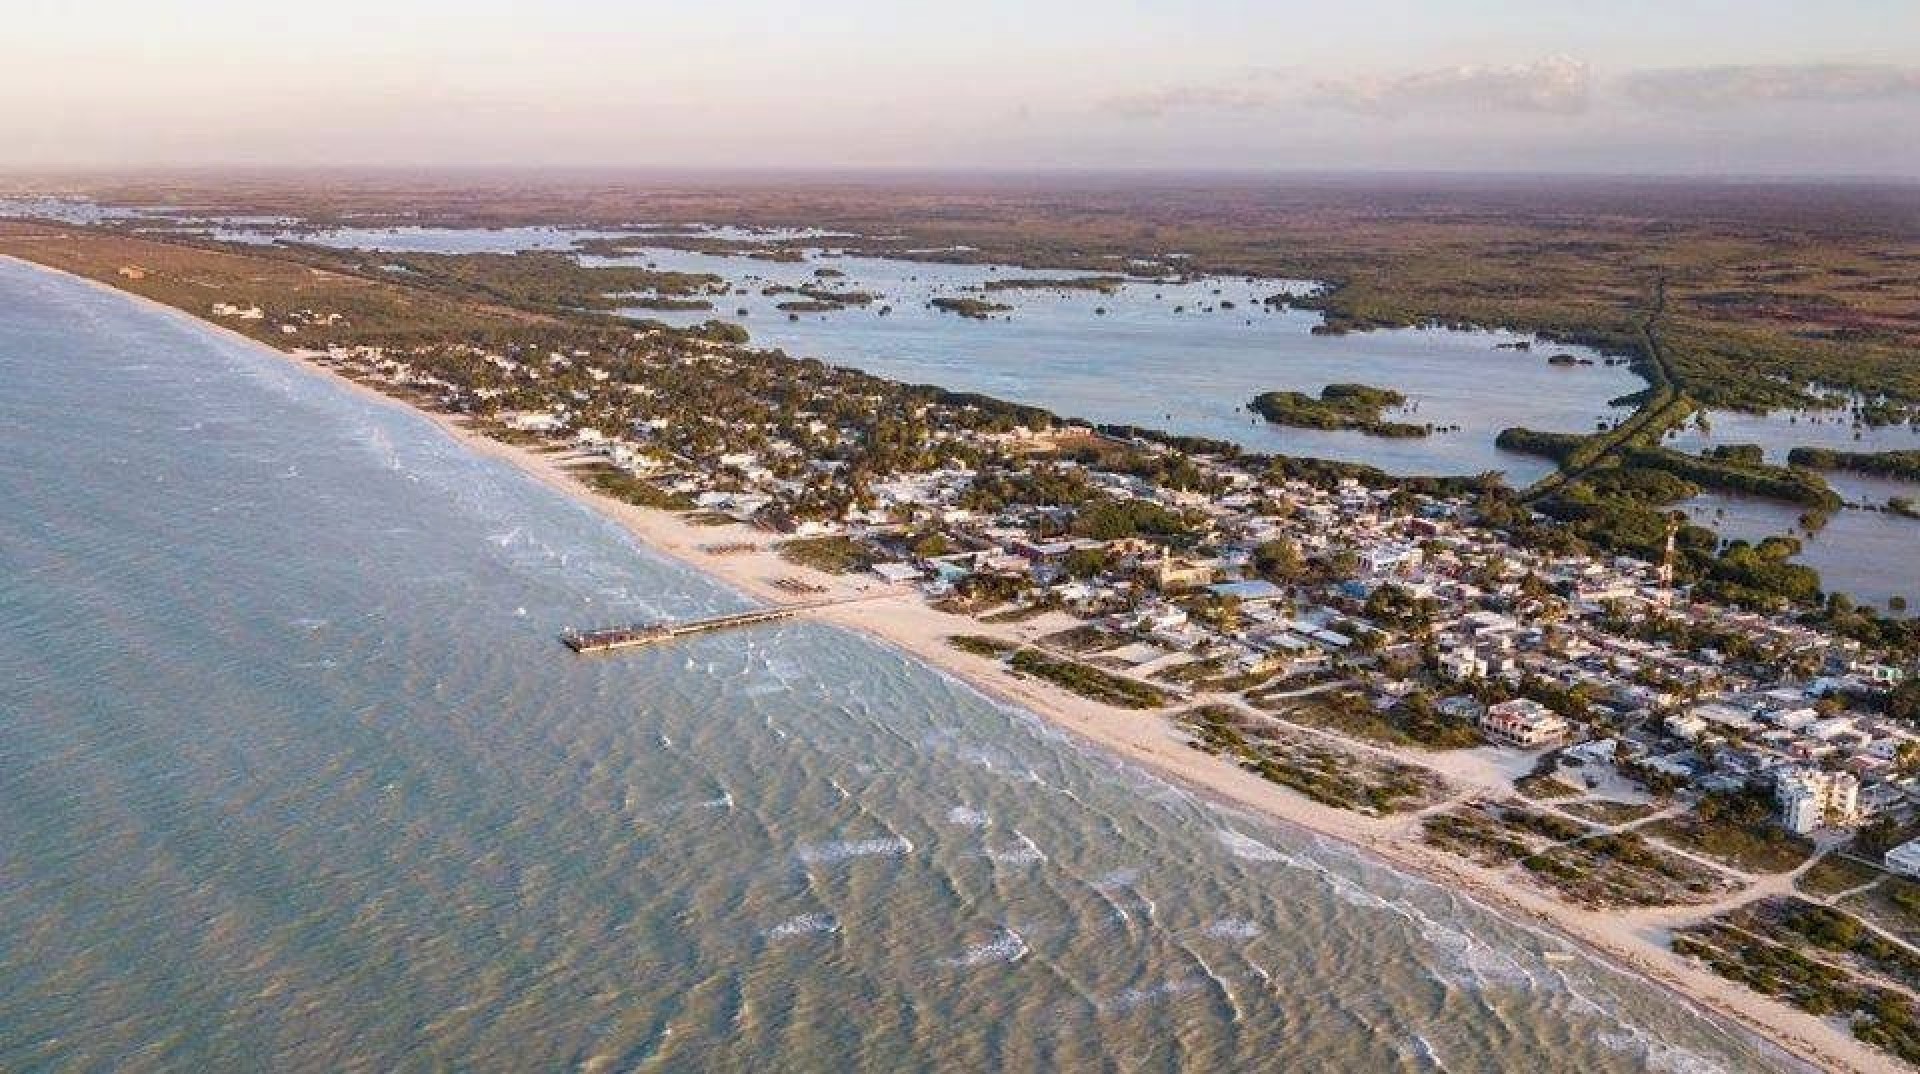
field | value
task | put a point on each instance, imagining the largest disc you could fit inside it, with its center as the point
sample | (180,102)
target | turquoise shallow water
(293,776)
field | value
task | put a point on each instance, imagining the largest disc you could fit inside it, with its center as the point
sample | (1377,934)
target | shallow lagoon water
(1170,356)
(1871,555)
(1155,354)
(293,776)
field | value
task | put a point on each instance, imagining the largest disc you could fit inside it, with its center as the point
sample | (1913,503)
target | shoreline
(1626,940)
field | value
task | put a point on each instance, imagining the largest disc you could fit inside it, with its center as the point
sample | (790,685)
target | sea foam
(848,849)
(804,925)
(1009,946)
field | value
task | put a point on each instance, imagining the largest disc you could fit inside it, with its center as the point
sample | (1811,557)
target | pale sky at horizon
(1687,86)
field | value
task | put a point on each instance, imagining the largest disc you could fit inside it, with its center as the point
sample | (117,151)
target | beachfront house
(1811,798)
(1523,723)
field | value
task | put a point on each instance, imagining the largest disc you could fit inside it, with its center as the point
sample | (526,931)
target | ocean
(294,776)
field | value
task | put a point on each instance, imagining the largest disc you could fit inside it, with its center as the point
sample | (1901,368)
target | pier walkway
(629,637)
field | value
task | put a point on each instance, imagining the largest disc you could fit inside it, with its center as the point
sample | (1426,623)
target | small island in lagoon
(1339,406)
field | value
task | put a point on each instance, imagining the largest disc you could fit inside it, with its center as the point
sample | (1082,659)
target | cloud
(1256,90)
(1732,86)
(1157,103)
(1555,85)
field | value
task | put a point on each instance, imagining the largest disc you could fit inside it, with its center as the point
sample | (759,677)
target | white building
(1727,716)
(1810,799)
(533,421)
(1524,723)
(1390,558)
(1795,718)
(1463,663)
(1686,725)
(897,573)
(1905,858)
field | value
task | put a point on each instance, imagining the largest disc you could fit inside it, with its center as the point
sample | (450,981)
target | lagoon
(1171,356)
(1161,354)
(1871,555)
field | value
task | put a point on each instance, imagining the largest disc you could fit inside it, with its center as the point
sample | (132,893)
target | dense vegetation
(1110,520)
(1753,575)
(674,305)
(556,281)
(1728,475)
(1555,446)
(1340,406)
(1737,469)
(1087,681)
(1105,285)
(823,294)
(978,309)
(1904,465)
(1612,499)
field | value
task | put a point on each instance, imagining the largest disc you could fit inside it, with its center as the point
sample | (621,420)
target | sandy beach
(899,617)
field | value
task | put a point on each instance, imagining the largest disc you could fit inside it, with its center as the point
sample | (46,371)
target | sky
(1693,87)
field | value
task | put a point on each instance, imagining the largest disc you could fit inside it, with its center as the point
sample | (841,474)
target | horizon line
(932,172)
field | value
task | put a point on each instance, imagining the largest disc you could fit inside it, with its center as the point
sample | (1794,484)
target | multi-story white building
(1905,858)
(1810,799)
(1524,723)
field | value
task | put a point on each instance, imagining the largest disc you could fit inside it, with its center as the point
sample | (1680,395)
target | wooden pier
(629,637)
(632,637)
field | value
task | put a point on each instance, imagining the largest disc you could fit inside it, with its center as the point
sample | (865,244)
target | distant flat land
(194,279)
(1769,285)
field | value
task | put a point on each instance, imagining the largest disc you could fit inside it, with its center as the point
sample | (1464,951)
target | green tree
(1086,562)
(1278,560)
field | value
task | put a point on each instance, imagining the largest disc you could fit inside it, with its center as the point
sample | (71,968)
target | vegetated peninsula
(1904,465)
(1749,477)
(664,303)
(1621,495)
(1340,406)
(557,281)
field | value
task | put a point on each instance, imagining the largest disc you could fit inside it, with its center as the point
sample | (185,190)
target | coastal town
(1664,755)
(1170,573)
(867,538)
